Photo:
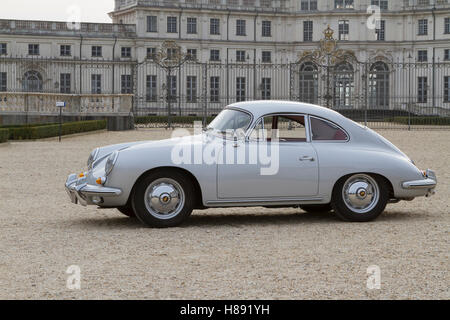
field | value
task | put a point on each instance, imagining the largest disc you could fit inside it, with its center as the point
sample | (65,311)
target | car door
(291,172)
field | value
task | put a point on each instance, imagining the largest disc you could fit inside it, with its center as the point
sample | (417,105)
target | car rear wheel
(127,210)
(163,199)
(360,197)
(320,208)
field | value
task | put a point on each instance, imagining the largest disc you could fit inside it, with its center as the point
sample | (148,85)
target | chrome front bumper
(428,184)
(86,194)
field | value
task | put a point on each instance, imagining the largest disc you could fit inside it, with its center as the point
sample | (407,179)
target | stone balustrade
(76,105)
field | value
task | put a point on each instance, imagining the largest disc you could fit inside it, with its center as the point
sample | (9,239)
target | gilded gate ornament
(327,54)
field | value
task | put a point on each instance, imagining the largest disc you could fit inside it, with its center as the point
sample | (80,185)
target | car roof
(261,108)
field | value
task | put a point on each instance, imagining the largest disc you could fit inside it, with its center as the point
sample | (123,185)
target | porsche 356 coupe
(259,153)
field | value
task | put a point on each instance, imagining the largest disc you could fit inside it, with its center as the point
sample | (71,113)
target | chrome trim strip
(260,202)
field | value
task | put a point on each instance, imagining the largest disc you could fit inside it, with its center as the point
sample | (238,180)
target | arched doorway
(344,85)
(308,83)
(32,81)
(379,86)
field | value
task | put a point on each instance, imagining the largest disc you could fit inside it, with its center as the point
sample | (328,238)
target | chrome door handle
(307,158)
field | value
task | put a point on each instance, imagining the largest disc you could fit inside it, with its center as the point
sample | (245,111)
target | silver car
(260,153)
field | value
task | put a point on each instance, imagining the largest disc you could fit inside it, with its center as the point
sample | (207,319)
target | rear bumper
(428,184)
(81,192)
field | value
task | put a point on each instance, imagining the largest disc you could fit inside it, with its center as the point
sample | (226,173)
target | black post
(60,123)
(169,97)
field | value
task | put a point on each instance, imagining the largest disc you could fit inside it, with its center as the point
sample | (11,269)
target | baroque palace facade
(239,49)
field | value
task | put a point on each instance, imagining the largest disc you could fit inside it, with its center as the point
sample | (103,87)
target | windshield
(230,120)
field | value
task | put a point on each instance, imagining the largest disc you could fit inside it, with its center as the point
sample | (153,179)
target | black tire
(319,208)
(128,211)
(149,218)
(345,213)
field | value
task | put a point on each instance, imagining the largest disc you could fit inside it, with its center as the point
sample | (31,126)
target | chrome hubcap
(164,198)
(361,193)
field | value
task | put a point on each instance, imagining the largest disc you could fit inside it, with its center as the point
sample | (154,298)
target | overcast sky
(57,10)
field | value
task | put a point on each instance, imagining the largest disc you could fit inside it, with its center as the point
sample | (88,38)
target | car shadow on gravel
(280,218)
(241,219)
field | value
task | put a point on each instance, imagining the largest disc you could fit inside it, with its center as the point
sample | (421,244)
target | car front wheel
(163,199)
(127,210)
(360,197)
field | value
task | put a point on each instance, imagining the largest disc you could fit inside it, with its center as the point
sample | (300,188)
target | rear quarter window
(326,131)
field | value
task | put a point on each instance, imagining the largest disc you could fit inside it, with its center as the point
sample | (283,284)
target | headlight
(92,157)
(111,162)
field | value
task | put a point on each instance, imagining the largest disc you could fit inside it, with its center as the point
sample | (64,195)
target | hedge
(173,119)
(47,131)
(12,126)
(414,120)
(4,135)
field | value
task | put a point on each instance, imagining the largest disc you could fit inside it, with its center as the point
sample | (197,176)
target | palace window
(172,53)
(192,54)
(447,54)
(446,89)
(379,85)
(126,52)
(33,49)
(266,88)
(152,24)
(344,29)
(309,5)
(126,84)
(381,31)
(3,81)
(214,26)
(422,55)
(447,25)
(343,4)
(422,89)
(65,50)
(266,56)
(266,28)
(191,89)
(240,89)
(214,87)
(344,85)
(240,27)
(172,88)
(382,4)
(3,49)
(172,25)
(65,83)
(151,52)
(240,56)
(214,55)
(308,83)
(308,31)
(97,51)
(191,26)
(96,84)
(423,27)
(32,81)
(151,91)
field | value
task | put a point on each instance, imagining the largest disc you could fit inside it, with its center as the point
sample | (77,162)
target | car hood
(168,143)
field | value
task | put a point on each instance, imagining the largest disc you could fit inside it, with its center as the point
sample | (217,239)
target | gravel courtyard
(221,253)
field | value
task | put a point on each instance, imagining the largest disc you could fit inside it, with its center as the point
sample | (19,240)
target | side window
(292,128)
(284,128)
(326,131)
